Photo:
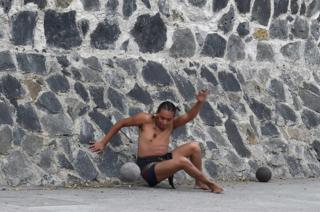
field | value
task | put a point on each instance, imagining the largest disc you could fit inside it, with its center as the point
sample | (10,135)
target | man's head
(165,114)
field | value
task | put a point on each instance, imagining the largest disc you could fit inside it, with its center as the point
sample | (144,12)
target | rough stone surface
(228,81)
(140,95)
(84,166)
(23,25)
(217,5)
(295,167)
(209,116)
(311,53)
(208,75)
(129,65)
(279,29)
(315,28)
(57,124)
(214,46)
(97,94)
(146,3)
(5,140)
(75,108)
(313,8)
(261,11)
(211,168)
(32,63)
(311,87)
(86,132)
(102,121)
(150,33)
(300,28)
(27,117)
(198,3)
(291,50)
(90,5)
(58,83)
(235,139)
(6,62)
(129,6)
(310,99)
(112,5)
(6,5)
(18,169)
(294,6)
(280,7)
(11,87)
(225,24)
(269,129)
(63,3)
(64,162)
(235,48)
(117,100)
(63,61)
(243,29)
(164,7)
(155,74)
(310,119)
(243,5)
(61,29)
(32,144)
(5,114)
(84,26)
(185,87)
(260,109)
(276,90)
(81,91)
(303,8)
(286,112)
(41,3)
(184,44)
(92,63)
(109,163)
(104,36)
(265,52)
(49,102)
(316,147)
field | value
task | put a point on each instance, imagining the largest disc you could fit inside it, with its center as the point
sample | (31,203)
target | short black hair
(169,106)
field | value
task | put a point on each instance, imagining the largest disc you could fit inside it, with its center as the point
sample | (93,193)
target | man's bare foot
(200,185)
(215,188)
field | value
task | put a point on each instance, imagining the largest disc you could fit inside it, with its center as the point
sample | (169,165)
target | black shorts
(147,165)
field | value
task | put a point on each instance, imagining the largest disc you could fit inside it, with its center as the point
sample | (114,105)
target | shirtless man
(155,162)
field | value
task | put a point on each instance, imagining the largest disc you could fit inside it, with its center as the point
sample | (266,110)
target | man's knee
(183,162)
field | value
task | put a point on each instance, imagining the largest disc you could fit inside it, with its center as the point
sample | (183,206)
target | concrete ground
(276,195)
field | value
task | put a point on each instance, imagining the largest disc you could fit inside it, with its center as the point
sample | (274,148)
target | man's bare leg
(192,150)
(164,169)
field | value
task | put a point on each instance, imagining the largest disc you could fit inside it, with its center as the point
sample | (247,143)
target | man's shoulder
(146,117)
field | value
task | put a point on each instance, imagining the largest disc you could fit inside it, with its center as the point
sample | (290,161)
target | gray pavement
(277,195)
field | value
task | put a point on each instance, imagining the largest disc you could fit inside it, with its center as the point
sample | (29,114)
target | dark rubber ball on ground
(263,174)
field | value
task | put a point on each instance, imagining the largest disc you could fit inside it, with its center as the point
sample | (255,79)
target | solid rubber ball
(129,172)
(263,174)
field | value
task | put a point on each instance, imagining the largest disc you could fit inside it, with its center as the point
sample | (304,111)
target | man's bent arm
(136,120)
(191,114)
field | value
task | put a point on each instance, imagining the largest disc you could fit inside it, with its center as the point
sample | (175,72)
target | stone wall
(70,68)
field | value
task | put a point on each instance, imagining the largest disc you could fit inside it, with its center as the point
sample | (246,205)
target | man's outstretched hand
(96,146)
(202,95)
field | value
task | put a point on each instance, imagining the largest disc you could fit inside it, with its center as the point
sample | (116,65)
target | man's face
(164,119)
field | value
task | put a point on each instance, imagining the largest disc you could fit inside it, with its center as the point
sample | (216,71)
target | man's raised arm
(191,114)
(137,120)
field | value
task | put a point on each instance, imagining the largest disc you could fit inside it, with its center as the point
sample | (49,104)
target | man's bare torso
(152,140)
